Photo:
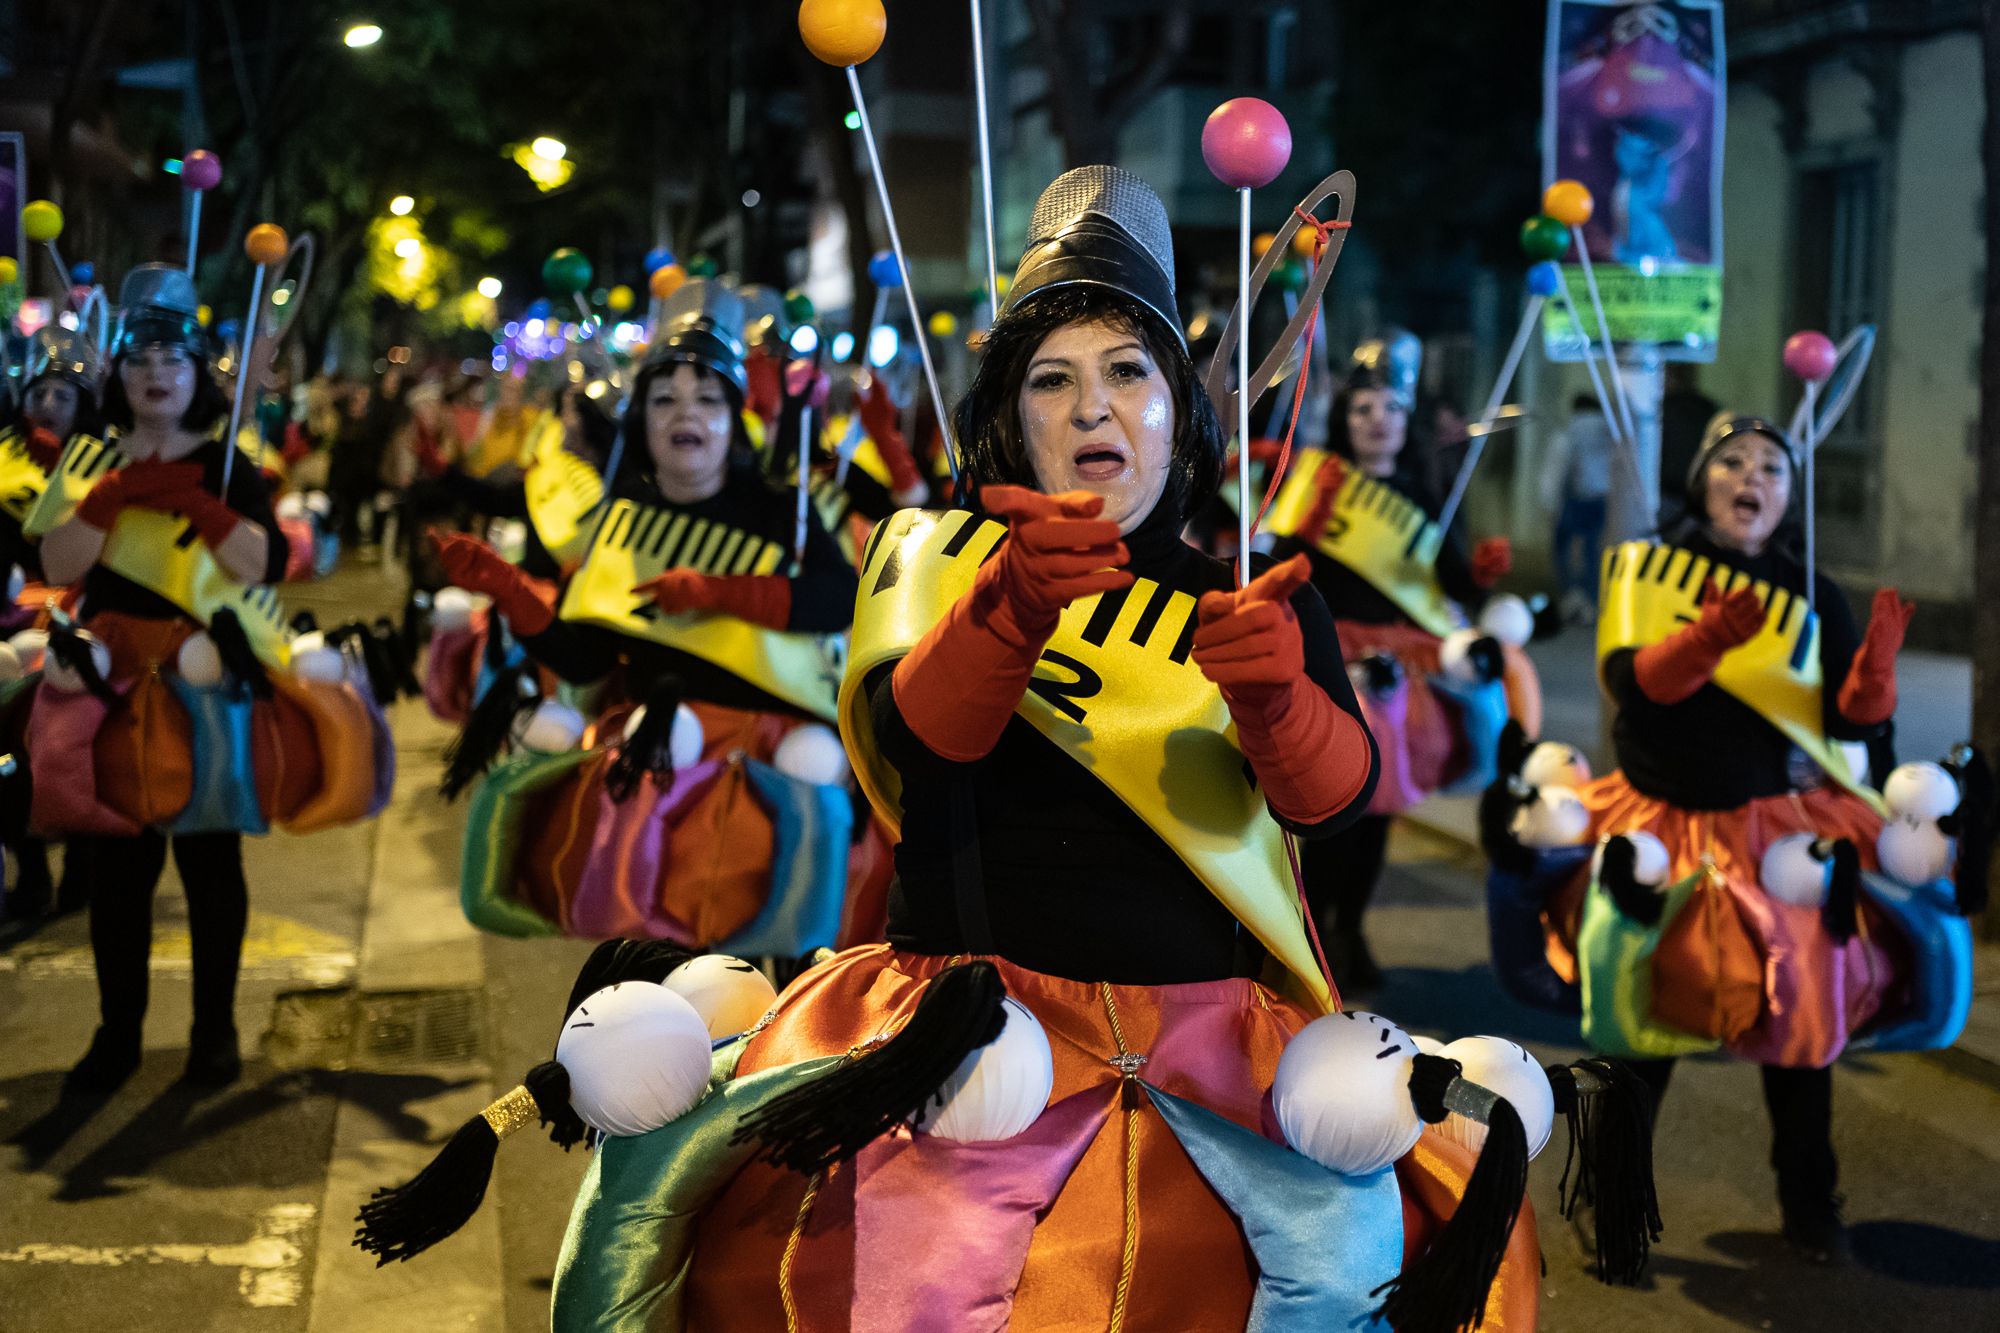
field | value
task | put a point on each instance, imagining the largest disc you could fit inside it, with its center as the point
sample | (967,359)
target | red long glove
(1310,757)
(527,604)
(878,418)
(1326,489)
(767,390)
(43,447)
(1868,695)
(1491,561)
(136,485)
(761,599)
(1678,665)
(211,519)
(958,686)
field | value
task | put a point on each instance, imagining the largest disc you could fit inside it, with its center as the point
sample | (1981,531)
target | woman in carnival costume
(712,814)
(1747,892)
(1434,692)
(1093,745)
(166,416)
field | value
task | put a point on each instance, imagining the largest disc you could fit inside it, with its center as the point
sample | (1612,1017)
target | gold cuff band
(516,1110)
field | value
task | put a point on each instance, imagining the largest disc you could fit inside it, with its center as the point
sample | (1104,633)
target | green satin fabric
(493,829)
(625,1258)
(1615,956)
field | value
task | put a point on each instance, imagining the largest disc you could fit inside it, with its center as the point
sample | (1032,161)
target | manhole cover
(340,1028)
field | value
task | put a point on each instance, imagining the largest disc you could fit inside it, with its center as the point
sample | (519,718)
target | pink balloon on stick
(1810,355)
(1246,143)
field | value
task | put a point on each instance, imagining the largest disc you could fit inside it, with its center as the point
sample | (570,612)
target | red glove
(136,485)
(211,519)
(878,418)
(527,604)
(767,390)
(1491,560)
(1868,695)
(1326,489)
(1311,758)
(761,599)
(1678,665)
(43,447)
(959,685)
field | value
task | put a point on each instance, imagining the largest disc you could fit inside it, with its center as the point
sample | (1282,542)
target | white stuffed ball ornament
(1793,873)
(1508,619)
(1455,657)
(316,660)
(1554,764)
(1500,1066)
(812,753)
(1914,851)
(291,505)
(60,675)
(637,1055)
(28,646)
(728,993)
(684,743)
(319,504)
(10,665)
(1921,791)
(1428,1045)
(998,1090)
(1650,862)
(1556,817)
(1339,1100)
(451,611)
(552,728)
(200,663)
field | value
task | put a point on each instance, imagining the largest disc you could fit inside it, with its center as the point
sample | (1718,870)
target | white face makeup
(1377,425)
(159,383)
(1097,415)
(1746,487)
(52,405)
(689,424)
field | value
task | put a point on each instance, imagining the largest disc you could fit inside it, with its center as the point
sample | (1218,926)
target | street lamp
(402,205)
(555,150)
(362,35)
(409,248)
(490,288)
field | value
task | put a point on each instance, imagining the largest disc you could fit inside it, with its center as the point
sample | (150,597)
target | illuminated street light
(490,288)
(555,150)
(409,248)
(362,35)
(402,205)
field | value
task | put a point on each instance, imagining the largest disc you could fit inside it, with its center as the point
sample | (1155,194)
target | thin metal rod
(1604,334)
(805,464)
(903,267)
(243,361)
(194,227)
(1809,441)
(1243,501)
(985,159)
(62,269)
(1483,429)
(1628,449)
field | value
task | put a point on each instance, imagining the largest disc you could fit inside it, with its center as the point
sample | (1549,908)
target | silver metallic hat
(1100,226)
(702,325)
(67,354)
(158,304)
(1725,426)
(1392,361)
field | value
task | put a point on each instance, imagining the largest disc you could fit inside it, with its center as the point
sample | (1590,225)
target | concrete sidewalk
(1933,713)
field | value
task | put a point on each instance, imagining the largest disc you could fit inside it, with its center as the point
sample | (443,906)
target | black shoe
(213,1059)
(1817,1232)
(27,902)
(1354,970)
(111,1059)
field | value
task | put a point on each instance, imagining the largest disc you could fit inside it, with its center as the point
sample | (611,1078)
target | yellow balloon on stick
(9,270)
(267,244)
(1569,203)
(666,281)
(619,299)
(943,324)
(41,221)
(843,32)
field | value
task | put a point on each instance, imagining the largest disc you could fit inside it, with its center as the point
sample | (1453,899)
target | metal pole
(194,227)
(985,159)
(243,362)
(1809,441)
(1243,501)
(1484,426)
(1603,330)
(805,463)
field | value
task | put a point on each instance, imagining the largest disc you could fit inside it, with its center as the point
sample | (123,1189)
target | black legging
(1341,871)
(1800,1103)
(127,870)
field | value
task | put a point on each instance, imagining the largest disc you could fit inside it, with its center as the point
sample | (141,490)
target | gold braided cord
(792,1249)
(516,1110)
(1129,1254)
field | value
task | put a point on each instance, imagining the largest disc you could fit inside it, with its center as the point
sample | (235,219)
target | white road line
(267,1264)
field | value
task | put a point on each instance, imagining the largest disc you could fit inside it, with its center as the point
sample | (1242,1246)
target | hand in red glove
(43,447)
(959,685)
(1326,489)
(1674,668)
(1311,758)
(1868,695)
(1491,561)
(137,485)
(878,418)
(767,390)
(473,565)
(761,599)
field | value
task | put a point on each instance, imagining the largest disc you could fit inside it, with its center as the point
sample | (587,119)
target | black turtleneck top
(822,601)
(1711,751)
(1076,885)
(1352,597)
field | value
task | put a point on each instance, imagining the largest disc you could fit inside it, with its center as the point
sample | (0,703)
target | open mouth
(1747,507)
(685,439)
(156,395)
(1099,462)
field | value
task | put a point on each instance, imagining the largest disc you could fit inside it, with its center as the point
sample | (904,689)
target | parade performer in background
(711,809)
(1747,893)
(1434,690)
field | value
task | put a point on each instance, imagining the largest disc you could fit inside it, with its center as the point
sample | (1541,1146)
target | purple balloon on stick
(201,170)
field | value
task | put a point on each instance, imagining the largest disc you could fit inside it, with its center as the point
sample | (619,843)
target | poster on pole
(1633,106)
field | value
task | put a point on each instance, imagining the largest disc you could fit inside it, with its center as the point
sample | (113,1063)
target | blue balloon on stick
(1545,278)
(884,271)
(83,273)
(658,258)
(227,330)
(539,310)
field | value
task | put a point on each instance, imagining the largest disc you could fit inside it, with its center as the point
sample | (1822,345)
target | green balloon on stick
(566,271)
(1543,237)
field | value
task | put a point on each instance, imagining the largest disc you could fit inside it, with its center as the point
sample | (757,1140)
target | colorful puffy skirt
(1096,1216)
(1728,964)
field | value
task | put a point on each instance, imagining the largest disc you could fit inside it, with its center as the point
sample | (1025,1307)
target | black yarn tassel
(401,658)
(1843,895)
(1972,824)
(305,622)
(1514,747)
(485,732)
(400,1222)
(834,1117)
(1488,661)
(1431,1076)
(1617,874)
(232,645)
(1498,805)
(1445,1288)
(614,961)
(1611,1152)
(67,646)
(650,747)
